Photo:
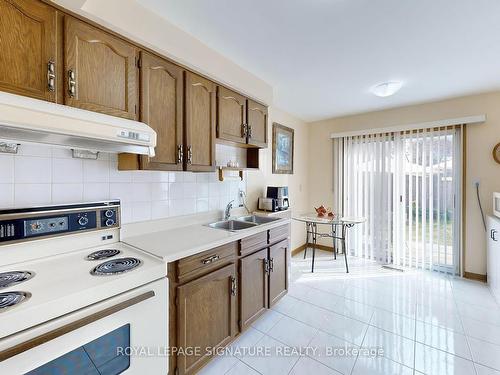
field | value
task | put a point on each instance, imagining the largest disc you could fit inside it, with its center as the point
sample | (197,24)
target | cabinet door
(28,44)
(253,287)
(257,124)
(200,123)
(100,69)
(206,316)
(278,275)
(231,116)
(162,92)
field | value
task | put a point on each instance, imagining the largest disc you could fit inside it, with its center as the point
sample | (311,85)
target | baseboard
(475,276)
(318,246)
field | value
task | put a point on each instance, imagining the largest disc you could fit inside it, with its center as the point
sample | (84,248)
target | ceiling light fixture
(387,88)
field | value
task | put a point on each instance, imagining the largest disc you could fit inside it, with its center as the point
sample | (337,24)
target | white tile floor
(425,323)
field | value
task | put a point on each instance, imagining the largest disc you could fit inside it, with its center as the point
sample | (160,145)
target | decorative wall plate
(496,153)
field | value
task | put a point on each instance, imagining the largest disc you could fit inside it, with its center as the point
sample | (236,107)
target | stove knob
(109,213)
(83,221)
(36,226)
(110,222)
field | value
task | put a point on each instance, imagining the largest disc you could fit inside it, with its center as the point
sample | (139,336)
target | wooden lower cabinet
(253,287)
(206,316)
(278,271)
(211,291)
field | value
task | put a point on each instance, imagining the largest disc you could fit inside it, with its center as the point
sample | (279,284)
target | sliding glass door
(407,186)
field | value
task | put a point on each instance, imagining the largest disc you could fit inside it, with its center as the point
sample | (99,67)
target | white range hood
(27,120)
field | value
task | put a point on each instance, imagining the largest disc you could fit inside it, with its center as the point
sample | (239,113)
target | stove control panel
(109,218)
(41,226)
(27,224)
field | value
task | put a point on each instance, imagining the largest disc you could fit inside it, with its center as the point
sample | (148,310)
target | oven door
(124,334)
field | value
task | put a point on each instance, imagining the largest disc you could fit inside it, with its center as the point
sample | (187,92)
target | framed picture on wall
(282,149)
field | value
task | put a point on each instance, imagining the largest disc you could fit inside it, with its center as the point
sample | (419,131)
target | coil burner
(10,299)
(13,278)
(103,254)
(116,266)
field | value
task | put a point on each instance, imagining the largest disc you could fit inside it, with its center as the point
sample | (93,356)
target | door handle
(51,75)
(493,233)
(71,83)
(266,266)
(233,286)
(190,155)
(180,154)
(210,259)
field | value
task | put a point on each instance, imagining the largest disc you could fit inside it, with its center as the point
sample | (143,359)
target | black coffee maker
(280,195)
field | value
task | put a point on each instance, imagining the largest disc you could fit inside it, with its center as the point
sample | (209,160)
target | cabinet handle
(210,259)
(190,155)
(493,235)
(71,83)
(271,265)
(244,128)
(233,286)
(180,154)
(51,75)
(266,266)
(249,131)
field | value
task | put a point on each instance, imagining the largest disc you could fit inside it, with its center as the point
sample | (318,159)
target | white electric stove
(75,299)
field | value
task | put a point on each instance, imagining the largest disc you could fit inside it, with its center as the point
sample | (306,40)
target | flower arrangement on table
(322,212)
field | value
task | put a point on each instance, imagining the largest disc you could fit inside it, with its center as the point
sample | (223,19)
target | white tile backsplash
(32,169)
(7,195)
(67,170)
(67,193)
(40,175)
(27,195)
(7,168)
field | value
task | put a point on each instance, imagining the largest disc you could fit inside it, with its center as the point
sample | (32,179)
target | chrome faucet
(227,211)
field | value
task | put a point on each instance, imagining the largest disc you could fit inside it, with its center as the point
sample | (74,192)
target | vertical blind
(407,186)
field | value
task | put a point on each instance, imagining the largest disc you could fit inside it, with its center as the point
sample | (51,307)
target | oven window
(103,356)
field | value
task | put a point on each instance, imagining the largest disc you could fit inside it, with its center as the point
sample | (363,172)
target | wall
(479,164)
(41,175)
(297,183)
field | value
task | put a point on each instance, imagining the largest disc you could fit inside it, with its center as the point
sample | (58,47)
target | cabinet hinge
(135,108)
(139,62)
(176,301)
(239,324)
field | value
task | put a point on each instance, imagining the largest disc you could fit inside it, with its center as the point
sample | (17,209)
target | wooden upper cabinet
(162,92)
(28,48)
(100,70)
(200,108)
(257,124)
(278,275)
(206,316)
(231,115)
(253,287)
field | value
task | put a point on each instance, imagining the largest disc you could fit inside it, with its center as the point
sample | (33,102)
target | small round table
(338,231)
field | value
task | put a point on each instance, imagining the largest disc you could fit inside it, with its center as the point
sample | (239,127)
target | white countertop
(180,242)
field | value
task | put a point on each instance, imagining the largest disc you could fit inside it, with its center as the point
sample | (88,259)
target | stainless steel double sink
(243,222)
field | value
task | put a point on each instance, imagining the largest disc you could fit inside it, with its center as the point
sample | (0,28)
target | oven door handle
(46,337)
